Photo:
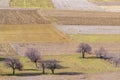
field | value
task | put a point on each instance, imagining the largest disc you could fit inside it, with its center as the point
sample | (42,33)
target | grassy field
(96,38)
(32,4)
(31,33)
(73,64)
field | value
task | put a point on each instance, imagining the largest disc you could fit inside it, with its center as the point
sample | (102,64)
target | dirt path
(105,76)
(101,76)
(47,77)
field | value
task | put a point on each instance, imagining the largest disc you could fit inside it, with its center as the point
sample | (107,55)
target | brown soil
(21,16)
(70,17)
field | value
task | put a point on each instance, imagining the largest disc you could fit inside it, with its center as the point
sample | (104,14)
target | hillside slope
(31,33)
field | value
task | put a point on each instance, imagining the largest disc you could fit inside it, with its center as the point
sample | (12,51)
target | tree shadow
(30,70)
(69,73)
(29,74)
(2,59)
(23,74)
(89,57)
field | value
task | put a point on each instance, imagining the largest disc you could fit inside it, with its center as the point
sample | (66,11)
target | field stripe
(84,29)
(76,5)
(4,3)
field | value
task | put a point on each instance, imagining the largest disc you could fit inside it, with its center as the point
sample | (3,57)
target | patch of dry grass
(31,33)
(97,38)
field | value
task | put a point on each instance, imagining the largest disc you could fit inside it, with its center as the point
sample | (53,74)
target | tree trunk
(43,71)
(52,71)
(83,54)
(36,64)
(116,64)
(13,71)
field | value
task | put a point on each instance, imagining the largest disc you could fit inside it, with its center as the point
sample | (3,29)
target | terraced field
(105,0)
(75,5)
(71,17)
(21,16)
(108,5)
(31,33)
(32,4)
(111,8)
(4,3)
(83,29)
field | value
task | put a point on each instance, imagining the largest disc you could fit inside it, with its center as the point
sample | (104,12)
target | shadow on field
(38,74)
(69,73)
(28,74)
(88,57)
(30,69)
(2,59)
(23,74)
(91,57)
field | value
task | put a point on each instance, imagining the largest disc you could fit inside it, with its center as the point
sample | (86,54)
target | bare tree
(33,55)
(101,53)
(84,48)
(116,61)
(50,64)
(13,63)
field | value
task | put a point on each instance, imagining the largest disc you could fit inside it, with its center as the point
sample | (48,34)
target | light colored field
(70,17)
(105,0)
(4,3)
(73,63)
(75,5)
(108,5)
(32,4)
(31,33)
(111,8)
(45,48)
(83,29)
